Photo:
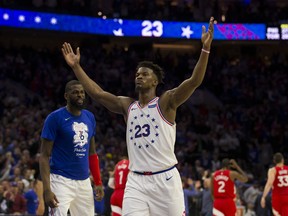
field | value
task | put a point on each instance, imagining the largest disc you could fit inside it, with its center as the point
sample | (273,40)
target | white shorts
(75,195)
(156,195)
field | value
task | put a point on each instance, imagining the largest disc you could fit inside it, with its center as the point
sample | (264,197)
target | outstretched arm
(268,186)
(113,103)
(179,95)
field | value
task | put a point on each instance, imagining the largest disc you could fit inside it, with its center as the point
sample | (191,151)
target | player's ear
(155,82)
(65,96)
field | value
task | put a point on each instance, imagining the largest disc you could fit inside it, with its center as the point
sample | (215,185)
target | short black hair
(225,163)
(71,83)
(157,70)
(277,158)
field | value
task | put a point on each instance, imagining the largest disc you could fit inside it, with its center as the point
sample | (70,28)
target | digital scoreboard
(138,28)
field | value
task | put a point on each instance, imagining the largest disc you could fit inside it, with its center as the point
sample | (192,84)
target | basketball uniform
(224,194)
(280,191)
(69,164)
(154,185)
(120,179)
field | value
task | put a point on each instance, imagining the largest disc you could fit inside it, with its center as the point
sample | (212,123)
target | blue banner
(127,28)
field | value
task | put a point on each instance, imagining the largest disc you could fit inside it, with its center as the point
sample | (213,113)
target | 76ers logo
(81,134)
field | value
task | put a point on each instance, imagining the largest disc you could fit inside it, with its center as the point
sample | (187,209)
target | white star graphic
(5,16)
(21,18)
(53,21)
(186,31)
(118,32)
(37,19)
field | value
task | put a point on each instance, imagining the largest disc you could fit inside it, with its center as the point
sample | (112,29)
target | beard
(140,88)
(77,105)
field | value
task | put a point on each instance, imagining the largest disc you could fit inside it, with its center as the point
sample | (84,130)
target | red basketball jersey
(120,174)
(223,186)
(280,185)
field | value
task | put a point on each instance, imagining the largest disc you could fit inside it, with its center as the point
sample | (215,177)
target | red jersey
(121,173)
(280,185)
(223,186)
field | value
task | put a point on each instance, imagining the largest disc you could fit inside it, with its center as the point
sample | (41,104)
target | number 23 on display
(152,29)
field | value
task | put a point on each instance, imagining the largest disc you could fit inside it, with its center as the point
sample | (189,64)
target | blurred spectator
(16,175)
(216,163)
(6,166)
(31,198)
(251,193)
(19,202)
(191,189)
(5,204)
(207,202)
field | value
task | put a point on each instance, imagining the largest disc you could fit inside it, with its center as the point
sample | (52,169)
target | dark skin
(146,82)
(75,98)
(236,173)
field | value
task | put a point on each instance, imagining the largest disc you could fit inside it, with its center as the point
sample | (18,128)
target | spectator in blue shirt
(32,199)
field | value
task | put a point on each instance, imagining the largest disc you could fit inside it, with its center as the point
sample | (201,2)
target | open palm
(207,37)
(71,58)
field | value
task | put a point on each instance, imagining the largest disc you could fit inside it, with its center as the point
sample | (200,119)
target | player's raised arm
(239,174)
(179,95)
(113,103)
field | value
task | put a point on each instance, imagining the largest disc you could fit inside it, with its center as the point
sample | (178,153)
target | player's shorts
(224,207)
(116,201)
(158,194)
(280,205)
(78,194)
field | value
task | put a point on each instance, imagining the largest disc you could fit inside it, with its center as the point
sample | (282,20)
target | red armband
(95,169)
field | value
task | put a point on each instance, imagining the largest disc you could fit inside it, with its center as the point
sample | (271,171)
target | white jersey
(150,138)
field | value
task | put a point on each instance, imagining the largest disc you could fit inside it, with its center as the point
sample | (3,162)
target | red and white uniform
(224,194)
(280,191)
(120,178)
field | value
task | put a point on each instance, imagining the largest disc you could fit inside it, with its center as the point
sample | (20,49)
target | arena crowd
(241,110)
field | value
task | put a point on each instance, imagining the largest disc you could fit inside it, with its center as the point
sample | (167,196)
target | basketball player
(223,189)
(278,181)
(68,145)
(118,182)
(154,185)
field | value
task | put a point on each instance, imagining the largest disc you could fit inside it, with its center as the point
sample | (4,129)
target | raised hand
(233,164)
(71,58)
(207,37)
